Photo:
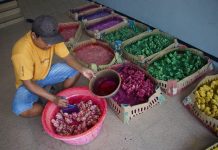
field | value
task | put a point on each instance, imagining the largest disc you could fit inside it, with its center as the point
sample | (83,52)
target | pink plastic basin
(74,95)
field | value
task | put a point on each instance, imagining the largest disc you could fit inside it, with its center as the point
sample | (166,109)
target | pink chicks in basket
(77,123)
(136,86)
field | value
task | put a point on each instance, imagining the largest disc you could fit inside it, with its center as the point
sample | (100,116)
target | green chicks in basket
(122,34)
(149,45)
(176,65)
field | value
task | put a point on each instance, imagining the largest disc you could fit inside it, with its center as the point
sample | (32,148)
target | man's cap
(47,28)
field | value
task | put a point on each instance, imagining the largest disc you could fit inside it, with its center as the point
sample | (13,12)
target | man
(32,58)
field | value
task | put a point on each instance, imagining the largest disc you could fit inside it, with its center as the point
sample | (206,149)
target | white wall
(193,21)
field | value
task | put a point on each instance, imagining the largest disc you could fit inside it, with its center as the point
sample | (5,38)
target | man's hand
(33,87)
(88,73)
(61,102)
(71,61)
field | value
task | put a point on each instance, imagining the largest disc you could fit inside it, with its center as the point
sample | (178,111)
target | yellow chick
(202,93)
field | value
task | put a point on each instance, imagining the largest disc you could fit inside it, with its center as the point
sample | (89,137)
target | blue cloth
(24,99)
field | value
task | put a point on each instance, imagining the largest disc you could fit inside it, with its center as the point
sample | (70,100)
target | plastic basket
(173,87)
(74,28)
(76,12)
(213,147)
(116,59)
(141,59)
(116,45)
(51,109)
(126,112)
(82,17)
(189,103)
(96,33)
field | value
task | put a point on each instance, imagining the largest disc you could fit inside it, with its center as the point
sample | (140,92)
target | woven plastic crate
(118,42)
(126,112)
(97,33)
(95,15)
(116,59)
(173,87)
(76,12)
(72,28)
(189,102)
(213,147)
(141,59)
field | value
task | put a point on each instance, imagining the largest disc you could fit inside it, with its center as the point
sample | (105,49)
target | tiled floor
(166,127)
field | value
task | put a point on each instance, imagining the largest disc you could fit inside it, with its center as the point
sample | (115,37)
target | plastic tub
(74,95)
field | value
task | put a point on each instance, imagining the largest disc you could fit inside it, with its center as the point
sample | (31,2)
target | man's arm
(72,62)
(33,87)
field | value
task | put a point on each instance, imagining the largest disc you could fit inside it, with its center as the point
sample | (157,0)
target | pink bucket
(75,95)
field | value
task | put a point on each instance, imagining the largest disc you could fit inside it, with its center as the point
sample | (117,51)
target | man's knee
(71,81)
(36,110)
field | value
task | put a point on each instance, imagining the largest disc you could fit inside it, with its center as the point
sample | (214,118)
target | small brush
(70,107)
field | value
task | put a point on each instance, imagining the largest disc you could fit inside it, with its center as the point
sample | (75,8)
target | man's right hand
(33,87)
(61,102)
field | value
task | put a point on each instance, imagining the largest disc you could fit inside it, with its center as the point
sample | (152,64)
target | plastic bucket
(74,95)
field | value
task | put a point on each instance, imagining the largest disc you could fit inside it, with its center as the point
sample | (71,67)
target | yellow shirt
(32,63)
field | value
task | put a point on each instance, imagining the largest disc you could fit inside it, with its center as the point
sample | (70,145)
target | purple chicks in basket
(95,15)
(85,8)
(105,24)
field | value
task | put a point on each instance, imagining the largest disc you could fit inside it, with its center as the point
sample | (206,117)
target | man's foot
(36,110)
